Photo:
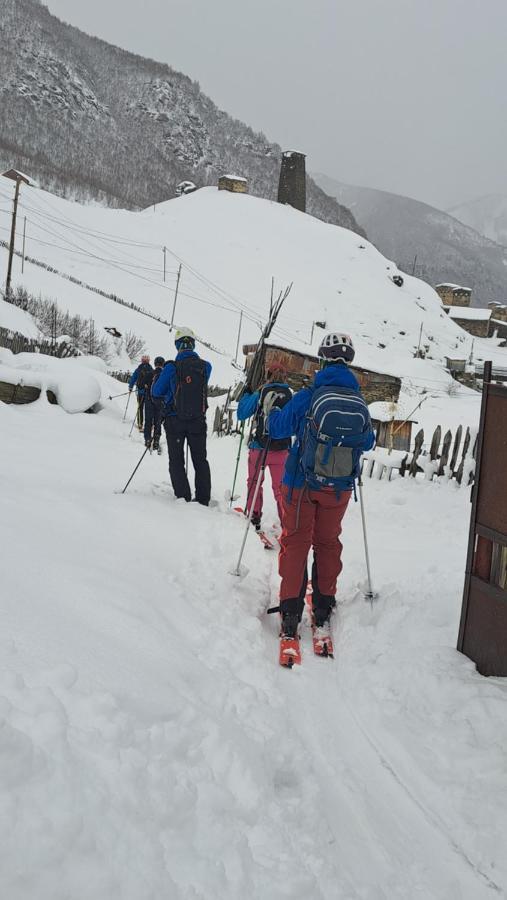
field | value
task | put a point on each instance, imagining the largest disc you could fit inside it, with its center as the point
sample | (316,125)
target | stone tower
(292,184)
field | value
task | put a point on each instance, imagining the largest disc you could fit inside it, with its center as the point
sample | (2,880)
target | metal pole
(311,336)
(250,512)
(135,470)
(176,296)
(23,256)
(370,595)
(239,332)
(242,434)
(13,236)
(164,252)
(127,406)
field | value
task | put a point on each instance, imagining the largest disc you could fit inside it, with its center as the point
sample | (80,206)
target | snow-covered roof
(455,287)
(499,322)
(466,312)
(383,411)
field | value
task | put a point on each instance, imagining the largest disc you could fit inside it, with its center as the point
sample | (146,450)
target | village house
(498,310)
(474,320)
(454,294)
(233,183)
(392,424)
(301,367)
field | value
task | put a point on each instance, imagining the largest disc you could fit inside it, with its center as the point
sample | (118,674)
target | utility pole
(18,178)
(164,252)
(239,332)
(413,267)
(23,256)
(419,344)
(175,296)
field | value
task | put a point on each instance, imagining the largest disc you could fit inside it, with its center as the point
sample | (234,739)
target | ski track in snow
(150,746)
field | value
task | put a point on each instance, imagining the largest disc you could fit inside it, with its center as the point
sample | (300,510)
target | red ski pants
(275,462)
(311,518)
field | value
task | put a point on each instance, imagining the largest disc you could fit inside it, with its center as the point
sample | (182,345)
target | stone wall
(477,327)
(234,185)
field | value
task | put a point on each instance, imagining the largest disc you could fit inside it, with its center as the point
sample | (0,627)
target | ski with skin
(322,638)
(265,540)
(290,652)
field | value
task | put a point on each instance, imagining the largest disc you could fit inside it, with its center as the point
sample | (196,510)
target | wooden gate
(483,626)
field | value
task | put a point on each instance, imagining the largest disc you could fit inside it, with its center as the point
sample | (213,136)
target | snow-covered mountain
(442,248)
(487,215)
(91,120)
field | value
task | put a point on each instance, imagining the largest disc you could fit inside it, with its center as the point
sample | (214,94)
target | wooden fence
(19,343)
(452,457)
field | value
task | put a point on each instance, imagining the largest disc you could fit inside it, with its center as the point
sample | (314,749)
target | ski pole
(133,423)
(114,396)
(186,460)
(250,512)
(370,595)
(242,434)
(127,406)
(135,470)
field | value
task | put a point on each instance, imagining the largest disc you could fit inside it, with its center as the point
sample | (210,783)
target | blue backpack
(330,450)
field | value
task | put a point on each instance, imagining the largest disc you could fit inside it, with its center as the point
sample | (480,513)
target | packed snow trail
(150,744)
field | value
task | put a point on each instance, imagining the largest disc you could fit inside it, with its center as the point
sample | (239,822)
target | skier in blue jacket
(183,386)
(313,516)
(141,378)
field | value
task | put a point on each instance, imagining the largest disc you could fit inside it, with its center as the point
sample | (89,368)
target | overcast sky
(403,95)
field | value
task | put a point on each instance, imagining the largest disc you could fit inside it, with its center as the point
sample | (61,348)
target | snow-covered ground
(150,745)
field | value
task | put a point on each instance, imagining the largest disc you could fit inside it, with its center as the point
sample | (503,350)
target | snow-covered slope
(442,248)
(230,246)
(150,745)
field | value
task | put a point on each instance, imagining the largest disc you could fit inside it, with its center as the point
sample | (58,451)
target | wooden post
(164,250)
(13,235)
(175,296)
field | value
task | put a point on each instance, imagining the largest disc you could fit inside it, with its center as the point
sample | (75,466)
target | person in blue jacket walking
(313,509)
(259,445)
(141,378)
(183,386)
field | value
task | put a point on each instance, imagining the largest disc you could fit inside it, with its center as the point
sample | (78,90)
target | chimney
(292,184)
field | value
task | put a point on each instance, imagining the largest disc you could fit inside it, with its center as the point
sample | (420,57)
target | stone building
(454,294)
(292,183)
(498,329)
(233,183)
(498,310)
(475,320)
(301,368)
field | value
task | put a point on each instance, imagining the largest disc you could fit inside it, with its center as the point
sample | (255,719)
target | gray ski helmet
(159,361)
(337,346)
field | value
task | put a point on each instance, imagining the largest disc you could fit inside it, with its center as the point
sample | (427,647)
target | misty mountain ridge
(425,241)
(487,215)
(91,121)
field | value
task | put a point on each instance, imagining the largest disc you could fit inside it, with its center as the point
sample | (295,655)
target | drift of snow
(75,389)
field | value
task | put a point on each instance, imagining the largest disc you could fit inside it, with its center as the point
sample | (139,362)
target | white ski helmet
(184,337)
(336,346)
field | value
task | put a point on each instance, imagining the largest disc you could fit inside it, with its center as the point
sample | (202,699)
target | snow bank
(75,389)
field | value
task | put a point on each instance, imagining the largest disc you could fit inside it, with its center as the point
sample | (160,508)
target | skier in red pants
(275,392)
(332,426)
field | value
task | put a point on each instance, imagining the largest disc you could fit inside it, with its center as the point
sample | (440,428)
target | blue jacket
(135,375)
(247,407)
(166,384)
(292,418)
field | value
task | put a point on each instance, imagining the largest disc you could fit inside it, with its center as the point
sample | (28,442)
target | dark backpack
(144,377)
(283,394)
(191,397)
(336,422)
